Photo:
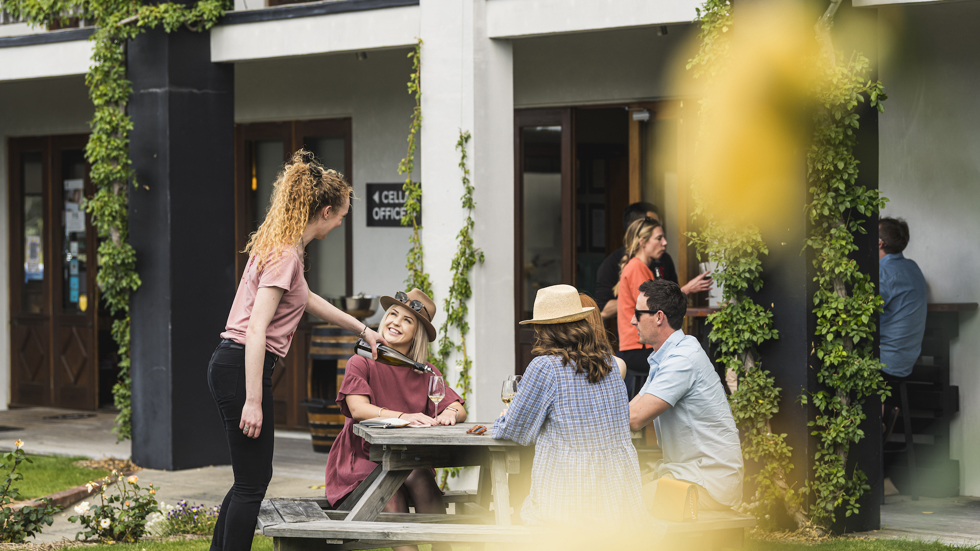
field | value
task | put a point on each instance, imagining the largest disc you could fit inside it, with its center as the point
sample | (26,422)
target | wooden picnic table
(399,451)
(307,524)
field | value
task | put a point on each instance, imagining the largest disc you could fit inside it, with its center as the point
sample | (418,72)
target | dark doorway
(261,150)
(54,305)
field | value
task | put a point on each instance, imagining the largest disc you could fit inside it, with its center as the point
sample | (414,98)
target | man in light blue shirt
(903,321)
(686,403)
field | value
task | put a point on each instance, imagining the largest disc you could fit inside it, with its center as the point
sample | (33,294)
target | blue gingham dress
(585,466)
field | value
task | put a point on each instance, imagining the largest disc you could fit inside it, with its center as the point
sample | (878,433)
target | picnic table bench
(303,524)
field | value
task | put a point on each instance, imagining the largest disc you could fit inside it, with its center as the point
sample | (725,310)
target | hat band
(416,305)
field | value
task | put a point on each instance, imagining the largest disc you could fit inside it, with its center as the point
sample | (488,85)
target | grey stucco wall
(930,171)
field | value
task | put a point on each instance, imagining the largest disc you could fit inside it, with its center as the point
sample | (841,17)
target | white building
(556,95)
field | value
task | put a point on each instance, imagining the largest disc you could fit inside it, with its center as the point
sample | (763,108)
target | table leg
(378,494)
(501,492)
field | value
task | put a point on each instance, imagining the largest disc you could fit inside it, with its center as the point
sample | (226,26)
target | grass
(49,474)
(846,544)
(261,543)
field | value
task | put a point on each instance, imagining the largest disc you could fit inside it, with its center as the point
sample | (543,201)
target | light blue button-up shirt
(697,433)
(903,321)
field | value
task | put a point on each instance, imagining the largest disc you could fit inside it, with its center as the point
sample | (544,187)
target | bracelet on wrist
(455,412)
(400,414)
(361,334)
(380,410)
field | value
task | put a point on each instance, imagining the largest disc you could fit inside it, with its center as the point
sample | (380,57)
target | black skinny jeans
(251,458)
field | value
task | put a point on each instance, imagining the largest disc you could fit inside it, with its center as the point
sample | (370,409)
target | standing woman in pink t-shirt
(644,242)
(308,202)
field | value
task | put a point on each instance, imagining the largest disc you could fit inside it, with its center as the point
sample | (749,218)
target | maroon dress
(394,387)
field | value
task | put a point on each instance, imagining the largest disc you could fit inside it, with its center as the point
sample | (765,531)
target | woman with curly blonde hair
(308,202)
(585,470)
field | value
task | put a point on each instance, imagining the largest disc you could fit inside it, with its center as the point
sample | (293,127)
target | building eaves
(293,11)
(51,37)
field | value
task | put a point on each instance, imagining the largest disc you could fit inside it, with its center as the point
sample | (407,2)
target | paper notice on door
(33,246)
(74,184)
(74,221)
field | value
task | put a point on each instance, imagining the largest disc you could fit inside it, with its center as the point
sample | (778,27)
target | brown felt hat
(425,315)
(558,304)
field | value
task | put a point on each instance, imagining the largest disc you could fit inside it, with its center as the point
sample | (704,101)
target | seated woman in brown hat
(571,404)
(373,389)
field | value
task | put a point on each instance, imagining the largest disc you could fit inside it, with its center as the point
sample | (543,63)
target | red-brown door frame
(523,118)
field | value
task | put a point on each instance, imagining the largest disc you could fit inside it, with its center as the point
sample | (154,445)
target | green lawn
(265,544)
(845,544)
(49,474)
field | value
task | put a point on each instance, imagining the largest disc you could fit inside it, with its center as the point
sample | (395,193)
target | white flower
(82,508)
(104,523)
(90,486)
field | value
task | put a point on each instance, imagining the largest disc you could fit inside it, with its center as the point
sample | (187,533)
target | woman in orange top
(644,242)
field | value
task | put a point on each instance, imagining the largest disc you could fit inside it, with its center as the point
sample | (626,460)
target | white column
(467,83)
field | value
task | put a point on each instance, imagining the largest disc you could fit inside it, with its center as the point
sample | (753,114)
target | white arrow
(376,196)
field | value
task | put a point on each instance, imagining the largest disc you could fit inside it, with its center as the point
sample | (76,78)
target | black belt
(232,344)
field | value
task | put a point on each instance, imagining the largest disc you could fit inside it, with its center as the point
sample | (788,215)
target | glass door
(545,212)
(261,150)
(54,305)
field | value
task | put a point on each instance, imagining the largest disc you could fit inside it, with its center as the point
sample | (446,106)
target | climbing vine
(417,277)
(845,302)
(742,325)
(116,23)
(467,255)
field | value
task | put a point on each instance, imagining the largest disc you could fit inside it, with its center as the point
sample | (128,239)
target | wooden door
(261,150)
(544,199)
(54,301)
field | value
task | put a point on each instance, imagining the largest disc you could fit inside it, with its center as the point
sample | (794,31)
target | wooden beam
(298,511)
(377,495)
(635,192)
(501,491)
(421,518)
(395,533)
(356,494)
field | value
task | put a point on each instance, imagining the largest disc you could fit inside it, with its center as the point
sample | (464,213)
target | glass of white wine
(509,389)
(437,390)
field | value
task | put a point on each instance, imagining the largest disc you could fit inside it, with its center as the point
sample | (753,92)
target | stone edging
(70,496)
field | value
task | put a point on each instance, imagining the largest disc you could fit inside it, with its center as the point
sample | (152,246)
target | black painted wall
(788,274)
(182,227)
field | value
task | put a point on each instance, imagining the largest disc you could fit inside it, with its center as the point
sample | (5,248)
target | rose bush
(122,512)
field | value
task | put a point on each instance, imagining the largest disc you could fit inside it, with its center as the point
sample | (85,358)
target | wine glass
(437,390)
(509,389)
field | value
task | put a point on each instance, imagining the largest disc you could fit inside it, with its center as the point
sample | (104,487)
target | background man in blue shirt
(686,403)
(903,289)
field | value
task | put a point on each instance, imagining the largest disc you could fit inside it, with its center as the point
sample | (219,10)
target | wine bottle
(390,356)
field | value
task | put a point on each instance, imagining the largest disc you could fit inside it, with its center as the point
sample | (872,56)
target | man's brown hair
(894,234)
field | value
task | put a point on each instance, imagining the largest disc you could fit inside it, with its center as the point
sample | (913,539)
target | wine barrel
(325,423)
(330,342)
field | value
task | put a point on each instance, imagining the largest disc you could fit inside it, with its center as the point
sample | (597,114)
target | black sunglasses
(638,313)
(416,305)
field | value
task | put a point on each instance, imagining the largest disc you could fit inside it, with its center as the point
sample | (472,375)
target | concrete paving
(952,520)
(299,471)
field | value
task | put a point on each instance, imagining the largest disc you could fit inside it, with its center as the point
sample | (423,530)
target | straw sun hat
(558,304)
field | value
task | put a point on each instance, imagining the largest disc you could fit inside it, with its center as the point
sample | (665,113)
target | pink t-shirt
(286,273)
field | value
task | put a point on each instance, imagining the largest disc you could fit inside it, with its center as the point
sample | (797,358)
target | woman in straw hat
(595,320)
(576,415)
(372,389)
(308,202)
